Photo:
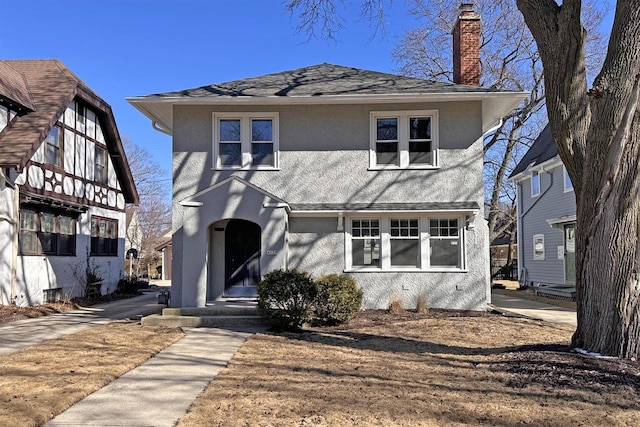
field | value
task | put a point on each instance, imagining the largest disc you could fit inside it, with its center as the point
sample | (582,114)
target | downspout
(159,128)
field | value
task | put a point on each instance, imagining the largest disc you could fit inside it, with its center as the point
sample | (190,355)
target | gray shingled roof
(322,80)
(543,149)
(425,206)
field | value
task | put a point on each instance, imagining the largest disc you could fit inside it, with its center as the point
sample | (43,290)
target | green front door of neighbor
(570,253)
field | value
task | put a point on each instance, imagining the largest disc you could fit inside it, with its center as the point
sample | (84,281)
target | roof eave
(159,109)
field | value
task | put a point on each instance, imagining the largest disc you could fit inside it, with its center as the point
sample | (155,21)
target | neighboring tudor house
(64,183)
(331,169)
(546,217)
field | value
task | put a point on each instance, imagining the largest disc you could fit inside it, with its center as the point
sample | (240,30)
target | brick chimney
(466,47)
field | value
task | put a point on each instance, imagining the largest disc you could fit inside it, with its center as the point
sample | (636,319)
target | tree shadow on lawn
(551,366)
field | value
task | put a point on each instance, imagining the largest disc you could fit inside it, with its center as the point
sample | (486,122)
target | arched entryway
(242,250)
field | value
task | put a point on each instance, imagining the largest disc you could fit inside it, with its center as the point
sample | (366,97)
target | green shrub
(285,299)
(128,285)
(338,299)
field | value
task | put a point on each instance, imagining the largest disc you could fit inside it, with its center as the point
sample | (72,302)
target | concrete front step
(202,321)
(211,311)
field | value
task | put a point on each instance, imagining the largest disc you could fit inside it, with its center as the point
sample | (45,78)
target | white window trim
(385,243)
(535,174)
(403,138)
(538,257)
(245,139)
(565,176)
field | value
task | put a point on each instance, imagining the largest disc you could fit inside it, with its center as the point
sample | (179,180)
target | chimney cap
(467,11)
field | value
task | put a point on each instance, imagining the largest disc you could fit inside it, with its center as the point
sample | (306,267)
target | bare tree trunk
(597,134)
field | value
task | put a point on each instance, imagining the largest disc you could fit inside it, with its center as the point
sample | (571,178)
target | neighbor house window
(568,185)
(104,236)
(404,139)
(46,233)
(538,247)
(28,239)
(245,140)
(52,147)
(100,165)
(401,243)
(535,184)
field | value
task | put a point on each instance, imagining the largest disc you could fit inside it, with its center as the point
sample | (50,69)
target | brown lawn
(42,381)
(441,368)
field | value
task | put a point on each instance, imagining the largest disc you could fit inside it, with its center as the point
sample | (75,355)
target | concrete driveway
(17,335)
(534,309)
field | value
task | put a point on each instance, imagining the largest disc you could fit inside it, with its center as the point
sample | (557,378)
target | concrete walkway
(161,390)
(17,335)
(534,309)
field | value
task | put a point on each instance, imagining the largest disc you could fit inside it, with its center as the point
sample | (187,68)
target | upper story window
(568,185)
(46,233)
(245,140)
(100,165)
(419,242)
(535,183)
(404,139)
(52,147)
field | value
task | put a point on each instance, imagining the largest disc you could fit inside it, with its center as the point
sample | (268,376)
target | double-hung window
(365,243)
(52,147)
(104,236)
(444,243)
(535,183)
(245,140)
(100,165)
(405,242)
(46,233)
(404,139)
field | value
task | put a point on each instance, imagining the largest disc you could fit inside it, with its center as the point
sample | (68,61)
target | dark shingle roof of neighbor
(384,206)
(543,149)
(323,80)
(14,89)
(52,86)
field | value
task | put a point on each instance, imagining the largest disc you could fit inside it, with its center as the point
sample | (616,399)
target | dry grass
(43,380)
(421,304)
(11,313)
(435,369)
(395,306)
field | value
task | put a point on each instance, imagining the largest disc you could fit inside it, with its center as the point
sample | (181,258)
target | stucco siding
(553,202)
(324,158)
(37,273)
(317,246)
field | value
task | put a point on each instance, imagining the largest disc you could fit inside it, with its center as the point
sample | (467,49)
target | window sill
(263,168)
(395,168)
(405,270)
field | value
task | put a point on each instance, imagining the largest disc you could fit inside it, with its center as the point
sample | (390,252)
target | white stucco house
(64,184)
(333,169)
